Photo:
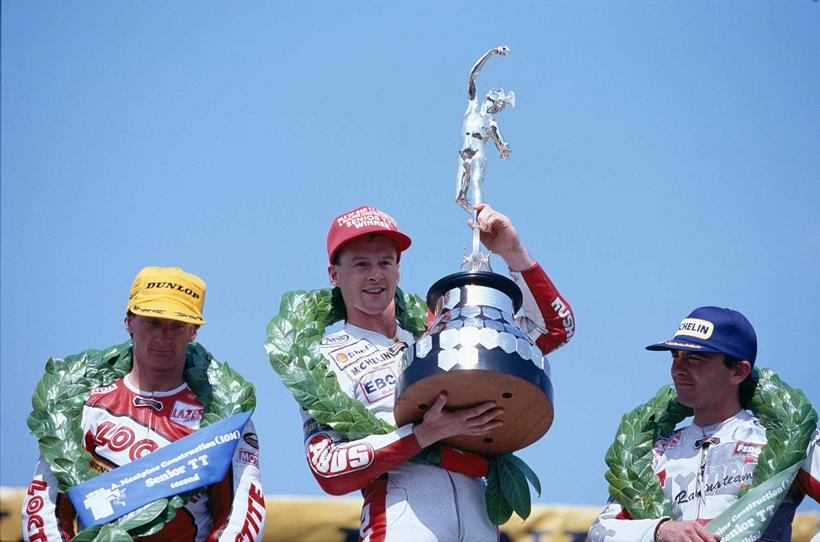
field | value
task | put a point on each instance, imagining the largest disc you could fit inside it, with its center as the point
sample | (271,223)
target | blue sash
(200,459)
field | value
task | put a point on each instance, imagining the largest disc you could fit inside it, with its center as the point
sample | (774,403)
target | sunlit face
(367,273)
(160,344)
(702,379)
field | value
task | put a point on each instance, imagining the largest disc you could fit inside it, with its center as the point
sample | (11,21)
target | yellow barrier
(337,519)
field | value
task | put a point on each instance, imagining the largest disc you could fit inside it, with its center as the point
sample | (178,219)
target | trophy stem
(475,258)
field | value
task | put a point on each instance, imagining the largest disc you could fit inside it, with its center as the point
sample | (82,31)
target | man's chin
(685,400)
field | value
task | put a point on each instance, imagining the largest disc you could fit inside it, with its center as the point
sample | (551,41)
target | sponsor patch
(335,340)
(377,385)
(567,320)
(382,356)
(696,327)
(251,439)
(186,414)
(665,443)
(327,461)
(147,402)
(747,448)
(98,466)
(249,458)
(349,354)
(104,389)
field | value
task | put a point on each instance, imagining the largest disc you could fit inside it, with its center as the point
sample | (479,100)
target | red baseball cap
(362,221)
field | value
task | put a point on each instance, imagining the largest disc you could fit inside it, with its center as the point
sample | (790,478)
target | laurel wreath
(292,344)
(784,411)
(57,415)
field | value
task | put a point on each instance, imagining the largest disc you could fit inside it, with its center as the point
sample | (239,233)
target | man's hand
(499,235)
(439,424)
(684,531)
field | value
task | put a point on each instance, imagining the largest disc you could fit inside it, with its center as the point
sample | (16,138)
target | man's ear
(129,324)
(331,274)
(193,333)
(741,370)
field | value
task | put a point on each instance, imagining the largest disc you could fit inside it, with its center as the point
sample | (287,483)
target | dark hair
(747,388)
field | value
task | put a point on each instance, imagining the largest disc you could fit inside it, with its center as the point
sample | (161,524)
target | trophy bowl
(474,352)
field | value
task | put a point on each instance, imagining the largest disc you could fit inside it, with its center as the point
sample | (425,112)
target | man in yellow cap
(151,407)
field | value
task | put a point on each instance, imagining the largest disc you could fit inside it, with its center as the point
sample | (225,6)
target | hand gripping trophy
(479,125)
(474,350)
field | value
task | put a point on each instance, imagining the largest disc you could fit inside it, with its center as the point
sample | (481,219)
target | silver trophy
(474,350)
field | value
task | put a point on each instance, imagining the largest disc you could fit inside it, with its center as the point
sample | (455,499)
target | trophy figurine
(478,126)
(473,350)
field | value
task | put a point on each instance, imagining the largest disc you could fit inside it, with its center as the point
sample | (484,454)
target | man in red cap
(407,500)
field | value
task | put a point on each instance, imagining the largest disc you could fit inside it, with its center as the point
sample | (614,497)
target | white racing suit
(121,424)
(405,500)
(701,470)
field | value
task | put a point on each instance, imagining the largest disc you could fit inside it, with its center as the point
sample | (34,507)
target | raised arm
(546,317)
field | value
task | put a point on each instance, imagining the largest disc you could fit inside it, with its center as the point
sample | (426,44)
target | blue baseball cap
(714,329)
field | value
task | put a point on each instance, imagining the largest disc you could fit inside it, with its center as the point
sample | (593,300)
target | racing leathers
(701,470)
(405,500)
(121,424)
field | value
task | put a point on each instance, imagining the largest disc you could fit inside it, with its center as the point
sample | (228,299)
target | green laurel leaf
(514,488)
(113,533)
(88,535)
(499,509)
(156,525)
(143,515)
(525,469)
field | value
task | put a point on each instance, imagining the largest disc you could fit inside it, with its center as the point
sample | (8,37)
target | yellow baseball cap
(168,292)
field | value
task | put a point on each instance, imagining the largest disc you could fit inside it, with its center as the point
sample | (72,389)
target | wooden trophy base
(528,412)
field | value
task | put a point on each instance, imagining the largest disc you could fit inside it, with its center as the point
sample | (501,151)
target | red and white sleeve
(546,316)
(47,514)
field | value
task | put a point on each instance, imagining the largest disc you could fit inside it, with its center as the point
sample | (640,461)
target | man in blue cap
(702,467)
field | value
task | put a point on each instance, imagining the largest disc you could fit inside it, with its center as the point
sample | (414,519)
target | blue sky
(665,156)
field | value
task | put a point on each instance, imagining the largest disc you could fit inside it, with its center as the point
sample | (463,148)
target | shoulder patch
(669,441)
(310,428)
(251,439)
